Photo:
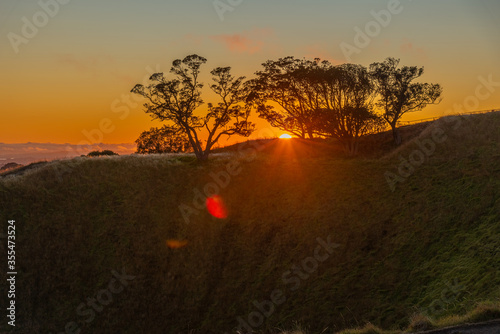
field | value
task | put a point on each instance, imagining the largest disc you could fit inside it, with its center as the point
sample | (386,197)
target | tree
(166,139)
(347,94)
(101,153)
(176,101)
(287,84)
(316,99)
(399,94)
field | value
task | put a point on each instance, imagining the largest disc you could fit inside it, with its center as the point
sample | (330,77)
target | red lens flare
(216,207)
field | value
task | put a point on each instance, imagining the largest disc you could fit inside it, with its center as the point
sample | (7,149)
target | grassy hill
(428,244)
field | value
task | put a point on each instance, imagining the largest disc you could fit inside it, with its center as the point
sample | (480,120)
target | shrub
(101,153)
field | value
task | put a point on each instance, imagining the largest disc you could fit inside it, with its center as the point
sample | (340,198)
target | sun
(285,136)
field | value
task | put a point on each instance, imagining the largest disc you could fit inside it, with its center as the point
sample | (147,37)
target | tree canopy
(178,100)
(287,83)
(306,98)
(348,111)
(166,139)
(101,153)
(399,94)
(316,99)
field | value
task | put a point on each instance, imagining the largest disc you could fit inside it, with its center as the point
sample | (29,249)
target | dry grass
(420,322)
(484,311)
(368,329)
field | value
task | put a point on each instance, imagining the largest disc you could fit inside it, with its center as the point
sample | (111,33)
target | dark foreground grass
(430,246)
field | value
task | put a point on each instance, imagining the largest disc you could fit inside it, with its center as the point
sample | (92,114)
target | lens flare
(175,244)
(216,207)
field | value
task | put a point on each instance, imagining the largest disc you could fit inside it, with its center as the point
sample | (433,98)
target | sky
(67,66)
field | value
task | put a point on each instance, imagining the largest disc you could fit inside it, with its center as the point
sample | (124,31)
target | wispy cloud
(408,48)
(83,64)
(251,41)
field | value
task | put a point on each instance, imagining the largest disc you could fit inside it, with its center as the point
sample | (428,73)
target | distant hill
(312,239)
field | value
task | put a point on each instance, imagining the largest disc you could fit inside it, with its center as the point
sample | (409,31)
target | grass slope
(430,246)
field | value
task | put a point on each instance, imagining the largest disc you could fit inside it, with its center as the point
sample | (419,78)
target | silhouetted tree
(166,139)
(287,84)
(313,98)
(176,100)
(101,153)
(347,94)
(399,94)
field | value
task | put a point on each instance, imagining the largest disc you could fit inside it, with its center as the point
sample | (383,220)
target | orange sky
(75,74)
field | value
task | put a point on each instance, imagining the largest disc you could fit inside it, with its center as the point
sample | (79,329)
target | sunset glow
(68,80)
(285,136)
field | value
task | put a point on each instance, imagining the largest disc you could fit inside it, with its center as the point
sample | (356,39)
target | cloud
(408,48)
(251,41)
(83,64)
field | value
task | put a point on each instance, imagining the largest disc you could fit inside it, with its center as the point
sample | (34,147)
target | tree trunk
(350,146)
(396,135)
(201,156)
(354,147)
(310,133)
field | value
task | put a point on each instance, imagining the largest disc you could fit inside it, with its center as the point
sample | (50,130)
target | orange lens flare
(176,244)
(216,207)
